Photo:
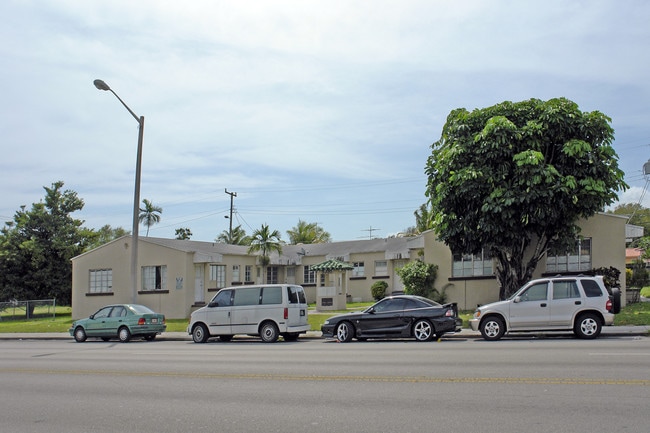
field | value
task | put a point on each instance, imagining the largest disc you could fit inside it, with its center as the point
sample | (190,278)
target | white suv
(563,303)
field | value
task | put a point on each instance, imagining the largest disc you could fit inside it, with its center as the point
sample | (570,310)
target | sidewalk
(608,331)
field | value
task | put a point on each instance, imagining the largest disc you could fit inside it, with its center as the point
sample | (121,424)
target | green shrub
(378,289)
(645,292)
(418,277)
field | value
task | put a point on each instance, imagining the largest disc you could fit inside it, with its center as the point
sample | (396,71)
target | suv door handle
(543,305)
(578,302)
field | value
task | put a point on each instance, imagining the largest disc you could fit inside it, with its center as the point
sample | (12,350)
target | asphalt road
(456,385)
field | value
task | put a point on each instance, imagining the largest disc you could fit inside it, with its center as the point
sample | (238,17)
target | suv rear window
(592,289)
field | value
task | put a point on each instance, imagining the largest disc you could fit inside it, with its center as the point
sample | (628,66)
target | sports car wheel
(269,332)
(587,326)
(492,328)
(344,332)
(79,334)
(422,330)
(124,334)
(200,333)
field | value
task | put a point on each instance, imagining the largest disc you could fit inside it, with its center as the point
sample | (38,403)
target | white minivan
(267,310)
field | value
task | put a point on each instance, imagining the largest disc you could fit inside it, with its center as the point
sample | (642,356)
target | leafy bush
(378,290)
(418,277)
(645,292)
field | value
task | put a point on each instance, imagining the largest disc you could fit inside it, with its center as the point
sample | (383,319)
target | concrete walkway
(608,331)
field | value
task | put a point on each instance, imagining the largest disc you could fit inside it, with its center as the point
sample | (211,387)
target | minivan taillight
(286,313)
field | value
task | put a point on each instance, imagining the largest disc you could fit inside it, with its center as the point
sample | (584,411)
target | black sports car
(399,316)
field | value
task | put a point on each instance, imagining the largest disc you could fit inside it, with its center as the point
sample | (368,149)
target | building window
(235,273)
(272,275)
(101,281)
(154,278)
(218,275)
(308,276)
(247,273)
(358,269)
(472,265)
(576,260)
(381,268)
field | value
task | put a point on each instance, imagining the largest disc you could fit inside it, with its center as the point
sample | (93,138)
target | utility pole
(232,195)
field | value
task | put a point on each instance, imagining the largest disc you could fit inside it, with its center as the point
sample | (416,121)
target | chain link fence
(33,309)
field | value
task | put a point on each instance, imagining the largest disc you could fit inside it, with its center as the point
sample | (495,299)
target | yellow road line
(333,378)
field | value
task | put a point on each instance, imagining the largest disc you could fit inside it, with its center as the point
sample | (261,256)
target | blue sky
(316,110)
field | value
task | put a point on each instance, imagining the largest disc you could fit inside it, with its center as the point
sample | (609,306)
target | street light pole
(136,195)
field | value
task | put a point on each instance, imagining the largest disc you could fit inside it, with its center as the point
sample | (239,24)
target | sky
(323,111)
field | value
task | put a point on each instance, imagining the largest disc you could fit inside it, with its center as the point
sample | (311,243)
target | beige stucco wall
(178,299)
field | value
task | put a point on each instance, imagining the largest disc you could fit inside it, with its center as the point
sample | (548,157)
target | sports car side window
(390,305)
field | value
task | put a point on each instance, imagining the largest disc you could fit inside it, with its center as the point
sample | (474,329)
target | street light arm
(101,85)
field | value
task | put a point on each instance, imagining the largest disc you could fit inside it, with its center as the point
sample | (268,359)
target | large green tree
(515,178)
(36,248)
(308,233)
(638,216)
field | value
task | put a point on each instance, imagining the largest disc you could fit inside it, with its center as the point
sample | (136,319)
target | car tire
(616,300)
(80,334)
(225,338)
(344,332)
(492,328)
(587,326)
(269,332)
(124,334)
(200,333)
(423,330)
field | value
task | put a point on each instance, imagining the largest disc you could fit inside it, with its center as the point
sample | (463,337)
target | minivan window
(296,295)
(248,296)
(271,295)
(223,298)
(592,289)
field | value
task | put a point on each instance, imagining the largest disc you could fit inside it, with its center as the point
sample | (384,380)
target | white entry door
(199,293)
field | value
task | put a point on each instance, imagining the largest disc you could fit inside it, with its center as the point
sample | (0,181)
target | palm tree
(308,233)
(423,219)
(265,242)
(150,215)
(239,237)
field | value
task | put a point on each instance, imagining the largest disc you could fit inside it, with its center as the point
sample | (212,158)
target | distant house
(177,276)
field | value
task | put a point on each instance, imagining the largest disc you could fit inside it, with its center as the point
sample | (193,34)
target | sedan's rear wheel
(124,334)
(344,332)
(423,330)
(80,334)
(492,328)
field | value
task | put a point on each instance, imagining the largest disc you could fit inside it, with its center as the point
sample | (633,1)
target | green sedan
(121,321)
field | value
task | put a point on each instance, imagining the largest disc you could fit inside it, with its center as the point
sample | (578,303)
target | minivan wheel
(422,330)
(124,334)
(492,328)
(587,326)
(344,332)
(200,333)
(269,332)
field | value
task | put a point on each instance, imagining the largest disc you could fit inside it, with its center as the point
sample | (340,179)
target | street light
(136,195)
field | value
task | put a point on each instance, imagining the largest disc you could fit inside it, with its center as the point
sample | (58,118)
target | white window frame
(235,273)
(154,278)
(100,281)
(218,275)
(308,276)
(472,265)
(359,269)
(576,260)
(381,268)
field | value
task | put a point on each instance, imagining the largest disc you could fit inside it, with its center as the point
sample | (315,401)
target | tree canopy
(239,237)
(515,175)
(308,233)
(36,248)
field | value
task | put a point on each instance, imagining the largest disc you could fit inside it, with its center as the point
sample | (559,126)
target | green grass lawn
(634,314)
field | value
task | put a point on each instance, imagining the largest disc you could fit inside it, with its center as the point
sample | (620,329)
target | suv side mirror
(517,299)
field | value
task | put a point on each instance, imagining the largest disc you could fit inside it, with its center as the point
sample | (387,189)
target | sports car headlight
(327,322)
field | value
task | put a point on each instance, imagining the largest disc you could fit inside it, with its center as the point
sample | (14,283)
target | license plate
(154,320)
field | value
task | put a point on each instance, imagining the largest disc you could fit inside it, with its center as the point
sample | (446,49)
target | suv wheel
(587,326)
(492,328)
